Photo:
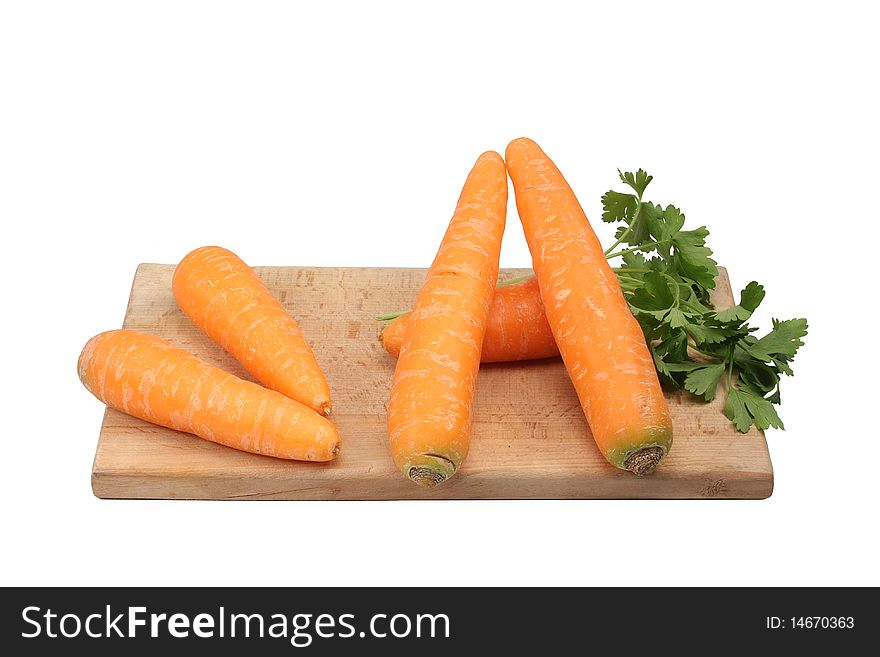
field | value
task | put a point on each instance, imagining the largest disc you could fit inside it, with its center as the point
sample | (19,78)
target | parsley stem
(620,239)
(387,317)
(730,369)
(627,270)
(693,345)
(675,288)
(640,247)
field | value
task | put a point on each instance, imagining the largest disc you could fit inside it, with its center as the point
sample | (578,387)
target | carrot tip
(643,461)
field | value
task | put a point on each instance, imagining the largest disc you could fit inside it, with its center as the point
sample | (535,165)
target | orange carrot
(227,300)
(429,411)
(151,379)
(517,327)
(600,341)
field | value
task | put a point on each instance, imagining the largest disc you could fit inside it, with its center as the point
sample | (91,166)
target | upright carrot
(151,379)
(228,301)
(600,341)
(429,411)
(517,327)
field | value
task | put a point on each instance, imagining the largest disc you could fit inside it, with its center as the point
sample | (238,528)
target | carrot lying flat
(600,341)
(151,379)
(228,301)
(429,411)
(517,327)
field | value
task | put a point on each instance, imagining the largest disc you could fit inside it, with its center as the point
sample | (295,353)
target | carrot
(429,410)
(228,301)
(601,343)
(149,378)
(517,327)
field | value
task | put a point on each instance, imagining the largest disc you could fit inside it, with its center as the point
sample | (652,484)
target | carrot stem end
(430,470)
(643,461)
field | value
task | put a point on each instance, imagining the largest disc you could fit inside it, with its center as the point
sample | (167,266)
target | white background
(340,134)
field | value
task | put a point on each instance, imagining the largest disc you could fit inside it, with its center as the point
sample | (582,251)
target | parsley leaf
(750,299)
(692,257)
(744,407)
(736,411)
(626,208)
(638,180)
(654,297)
(663,225)
(703,381)
(618,207)
(781,343)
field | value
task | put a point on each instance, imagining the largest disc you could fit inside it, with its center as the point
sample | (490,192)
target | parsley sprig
(666,274)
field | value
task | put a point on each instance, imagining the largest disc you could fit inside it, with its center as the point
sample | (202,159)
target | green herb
(666,275)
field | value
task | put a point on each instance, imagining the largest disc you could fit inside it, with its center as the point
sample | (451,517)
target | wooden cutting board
(530,439)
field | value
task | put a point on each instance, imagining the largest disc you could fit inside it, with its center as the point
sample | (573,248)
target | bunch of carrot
(149,378)
(573,306)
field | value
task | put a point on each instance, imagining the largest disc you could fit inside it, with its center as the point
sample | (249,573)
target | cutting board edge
(114,484)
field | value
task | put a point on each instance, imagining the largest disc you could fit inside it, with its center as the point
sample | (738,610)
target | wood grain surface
(530,439)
